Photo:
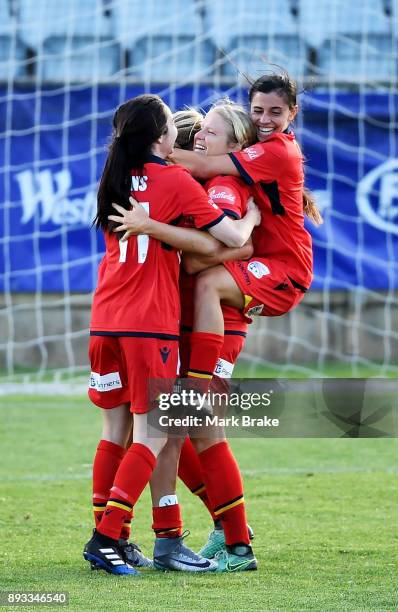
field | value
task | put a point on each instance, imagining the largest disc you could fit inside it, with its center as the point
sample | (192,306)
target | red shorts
(233,344)
(268,289)
(121,368)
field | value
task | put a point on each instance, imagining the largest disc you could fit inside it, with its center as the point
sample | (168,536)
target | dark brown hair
(283,85)
(137,124)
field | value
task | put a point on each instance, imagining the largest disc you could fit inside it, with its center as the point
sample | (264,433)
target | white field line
(266,471)
(55,388)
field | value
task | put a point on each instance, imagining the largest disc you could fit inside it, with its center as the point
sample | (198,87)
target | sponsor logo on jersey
(252,153)
(164,353)
(222,193)
(139,183)
(223,368)
(106,382)
(255,310)
(377,196)
(258,269)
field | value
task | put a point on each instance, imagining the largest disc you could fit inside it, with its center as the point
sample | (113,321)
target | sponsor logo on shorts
(106,382)
(242,268)
(222,193)
(255,311)
(224,368)
(252,153)
(258,269)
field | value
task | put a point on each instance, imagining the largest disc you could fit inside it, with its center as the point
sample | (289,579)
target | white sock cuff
(168,500)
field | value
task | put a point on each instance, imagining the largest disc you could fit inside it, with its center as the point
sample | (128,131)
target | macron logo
(106,382)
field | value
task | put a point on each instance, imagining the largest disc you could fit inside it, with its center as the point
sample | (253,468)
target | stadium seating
(11,51)
(253,37)
(192,39)
(168,49)
(71,39)
(350,39)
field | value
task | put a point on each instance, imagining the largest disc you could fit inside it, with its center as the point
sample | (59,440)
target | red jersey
(275,170)
(231,194)
(137,292)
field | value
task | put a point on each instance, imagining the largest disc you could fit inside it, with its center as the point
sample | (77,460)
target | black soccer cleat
(105,553)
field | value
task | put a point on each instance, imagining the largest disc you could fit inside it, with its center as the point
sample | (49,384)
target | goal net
(64,68)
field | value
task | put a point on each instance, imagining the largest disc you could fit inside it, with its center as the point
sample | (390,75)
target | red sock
(190,472)
(167,521)
(106,462)
(225,490)
(205,351)
(126,528)
(131,478)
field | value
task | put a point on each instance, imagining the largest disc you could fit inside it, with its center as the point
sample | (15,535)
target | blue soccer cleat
(171,554)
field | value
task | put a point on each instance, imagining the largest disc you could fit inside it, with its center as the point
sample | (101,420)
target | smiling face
(214,137)
(270,113)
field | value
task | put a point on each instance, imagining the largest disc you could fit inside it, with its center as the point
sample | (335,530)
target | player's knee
(171,451)
(117,424)
(202,444)
(119,437)
(155,444)
(206,284)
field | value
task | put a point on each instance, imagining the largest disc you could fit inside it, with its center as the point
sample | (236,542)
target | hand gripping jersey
(230,193)
(275,170)
(137,292)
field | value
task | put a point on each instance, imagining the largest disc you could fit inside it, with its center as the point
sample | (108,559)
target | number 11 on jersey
(142,243)
(143,239)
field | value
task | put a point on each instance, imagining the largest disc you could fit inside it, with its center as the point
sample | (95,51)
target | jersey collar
(154,159)
(289,132)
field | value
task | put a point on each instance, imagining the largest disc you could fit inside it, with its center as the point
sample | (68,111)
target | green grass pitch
(324,514)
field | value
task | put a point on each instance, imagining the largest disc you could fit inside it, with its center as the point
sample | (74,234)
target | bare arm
(137,221)
(237,233)
(182,238)
(194,263)
(204,166)
(231,233)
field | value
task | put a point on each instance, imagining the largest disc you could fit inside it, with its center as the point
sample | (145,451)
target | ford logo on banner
(377,197)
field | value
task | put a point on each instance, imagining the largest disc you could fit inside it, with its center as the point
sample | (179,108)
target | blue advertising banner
(52,149)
